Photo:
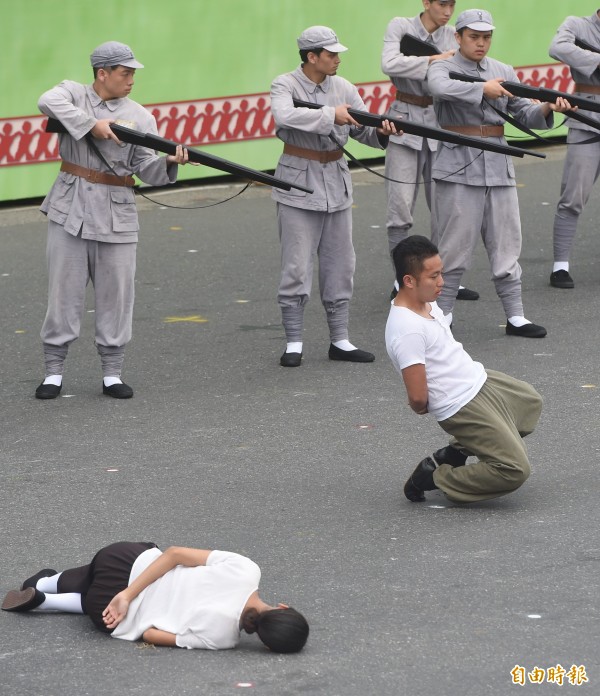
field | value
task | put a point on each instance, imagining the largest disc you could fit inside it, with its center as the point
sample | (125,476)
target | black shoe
(118,391)
(23,600)
(355,355)
(393,294)
(31,582)
(420,480)
(290,360)
(561,279)
(450,455)
(526,331)
(466,294)
(47,391)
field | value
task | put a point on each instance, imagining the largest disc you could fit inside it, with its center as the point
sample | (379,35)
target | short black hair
(108,68)
(282,630)
(410,254)
(305,51)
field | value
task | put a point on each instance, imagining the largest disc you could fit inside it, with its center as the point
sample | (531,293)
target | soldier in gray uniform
(92,216)
(409,158)
(319,223)
(475,190)
(582,163)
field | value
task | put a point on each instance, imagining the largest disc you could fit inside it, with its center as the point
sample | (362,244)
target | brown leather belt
(482,131)
(414,99)
(322,156)
(588,89)
(94,177)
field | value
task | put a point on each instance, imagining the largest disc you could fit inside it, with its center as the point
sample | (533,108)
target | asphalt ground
(302,469)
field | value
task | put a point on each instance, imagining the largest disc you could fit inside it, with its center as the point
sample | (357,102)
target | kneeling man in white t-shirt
(487,413)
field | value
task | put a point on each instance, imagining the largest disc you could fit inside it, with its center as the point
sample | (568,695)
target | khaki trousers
(492,427)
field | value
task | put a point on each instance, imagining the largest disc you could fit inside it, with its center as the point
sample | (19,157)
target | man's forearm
(159,567)
(157,637)
(419,407)
(173,556)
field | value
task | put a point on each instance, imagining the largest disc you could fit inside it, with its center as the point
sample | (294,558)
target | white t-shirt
(453,377)
(201,606)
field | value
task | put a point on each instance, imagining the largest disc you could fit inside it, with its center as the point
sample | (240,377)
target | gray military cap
(479,20)
(113,53)
(320,37)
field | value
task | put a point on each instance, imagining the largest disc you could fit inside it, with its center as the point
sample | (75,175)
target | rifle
(412,46)
(367,119)
(575,115)
(518,89)
(580,43)
(155,142)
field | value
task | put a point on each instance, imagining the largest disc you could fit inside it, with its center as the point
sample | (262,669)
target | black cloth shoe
(31,582)
(561,279)
(355,355)
(420,480)
(23,600)
(118,391)
(526,331)
(450,455)
(290,359)
(47,391)
(466,294)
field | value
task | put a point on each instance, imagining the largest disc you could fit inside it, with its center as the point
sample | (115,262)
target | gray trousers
(304,235)
(72,263)
(580,172)
(463,214)
(410,166)
(492,427)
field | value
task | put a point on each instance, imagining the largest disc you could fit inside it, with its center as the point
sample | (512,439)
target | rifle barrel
(518,89)
(155,142)
(367,119)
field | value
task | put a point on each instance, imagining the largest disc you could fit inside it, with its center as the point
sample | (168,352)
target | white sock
(344,345)
(396,286)
(67,601)
(48,585)
(109,381)
(294,347)
(518,321)
(461,287)
(560,266)
(56,380)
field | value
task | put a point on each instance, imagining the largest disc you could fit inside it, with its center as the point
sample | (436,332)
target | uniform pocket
(123,210)
(398,110)
(61,197)
(295,172)
(452,158)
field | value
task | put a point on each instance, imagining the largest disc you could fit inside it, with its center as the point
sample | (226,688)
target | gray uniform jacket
(584,64)
(310,128)
(409,74)
(107,213)
(459,103)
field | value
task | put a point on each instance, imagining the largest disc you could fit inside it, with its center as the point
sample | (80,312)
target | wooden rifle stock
(412,46)
(155,142)
(580,43)
(367,119)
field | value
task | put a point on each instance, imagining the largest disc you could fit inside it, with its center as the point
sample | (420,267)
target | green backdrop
(195,49)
